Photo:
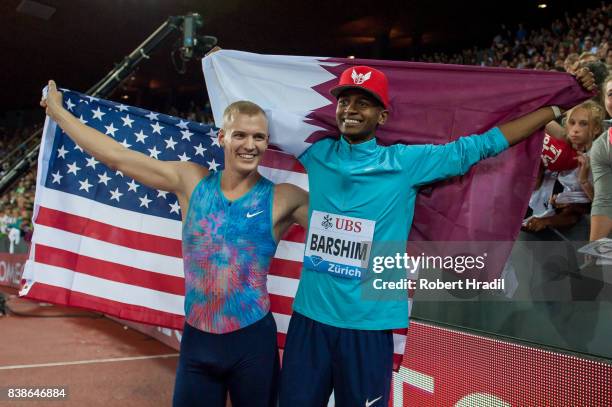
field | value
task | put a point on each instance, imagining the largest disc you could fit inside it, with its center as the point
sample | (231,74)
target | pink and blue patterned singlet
(227,249)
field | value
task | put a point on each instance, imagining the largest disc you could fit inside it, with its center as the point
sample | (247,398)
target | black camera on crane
(194,45)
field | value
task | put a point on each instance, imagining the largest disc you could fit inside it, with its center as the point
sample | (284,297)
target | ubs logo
(343,224)
(348,225)
(327,222)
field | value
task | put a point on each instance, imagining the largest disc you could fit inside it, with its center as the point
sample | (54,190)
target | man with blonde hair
(232,221)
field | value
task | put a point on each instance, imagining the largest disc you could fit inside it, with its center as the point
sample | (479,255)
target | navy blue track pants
(244,362)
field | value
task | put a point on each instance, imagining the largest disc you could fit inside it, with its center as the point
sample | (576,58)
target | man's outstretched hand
(586,79)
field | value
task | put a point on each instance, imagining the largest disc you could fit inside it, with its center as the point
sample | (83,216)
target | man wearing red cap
(362,198)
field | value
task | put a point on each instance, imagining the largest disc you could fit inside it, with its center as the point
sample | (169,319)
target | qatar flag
(430,104)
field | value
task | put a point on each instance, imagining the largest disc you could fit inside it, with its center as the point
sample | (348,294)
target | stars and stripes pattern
(159,136)
(105,242)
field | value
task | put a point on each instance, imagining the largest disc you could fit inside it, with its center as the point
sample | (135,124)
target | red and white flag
(430,103)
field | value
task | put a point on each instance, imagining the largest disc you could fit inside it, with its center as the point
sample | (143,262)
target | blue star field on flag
(160,136)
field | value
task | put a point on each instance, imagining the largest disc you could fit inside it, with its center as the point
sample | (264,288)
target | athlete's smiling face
(244,139)
(358,115)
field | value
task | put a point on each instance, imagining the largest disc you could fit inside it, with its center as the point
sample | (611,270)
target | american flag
(105,242)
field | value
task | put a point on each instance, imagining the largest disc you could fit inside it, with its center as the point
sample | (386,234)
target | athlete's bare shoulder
(190,174)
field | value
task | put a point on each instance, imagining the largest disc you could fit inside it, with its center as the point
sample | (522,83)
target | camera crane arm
(192,46)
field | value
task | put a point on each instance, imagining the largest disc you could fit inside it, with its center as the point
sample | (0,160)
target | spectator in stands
(521,33)
(16,208)
(27,229)
(557,155)
(582,126)
(543,48)
(601,156)
(587,57)
(5,220)
(602,51)
(571,63)
(588,45)
(14,229)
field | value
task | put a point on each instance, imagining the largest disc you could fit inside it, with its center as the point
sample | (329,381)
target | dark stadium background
(83,39)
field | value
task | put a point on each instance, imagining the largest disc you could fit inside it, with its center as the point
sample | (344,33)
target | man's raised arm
(164,175)
(521,128)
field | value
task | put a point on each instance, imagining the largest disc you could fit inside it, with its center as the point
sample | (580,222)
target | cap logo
(550,152)
(359,78)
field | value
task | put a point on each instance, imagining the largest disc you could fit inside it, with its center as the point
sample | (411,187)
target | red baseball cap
(368,79)
(557,155)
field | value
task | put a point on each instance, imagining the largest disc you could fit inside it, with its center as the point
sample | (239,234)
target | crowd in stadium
(13,144)
(16,213)
(583,36)
(564,46)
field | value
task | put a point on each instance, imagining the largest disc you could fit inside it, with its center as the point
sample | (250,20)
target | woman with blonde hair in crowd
(582,126)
